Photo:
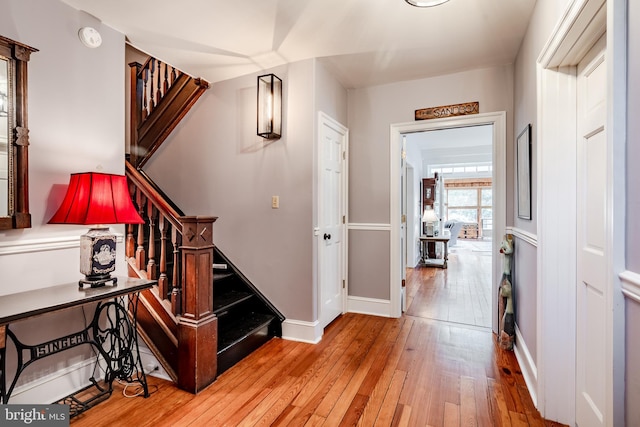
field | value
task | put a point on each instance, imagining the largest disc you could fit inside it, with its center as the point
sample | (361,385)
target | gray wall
(633,207)
(76,123)
(371,111)
(215,164)
(543,20)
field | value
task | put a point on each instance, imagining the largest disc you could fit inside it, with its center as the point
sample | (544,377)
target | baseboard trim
(149,360)
(298,330)
(57,385)
(372,306)
(630,285)
(527,366)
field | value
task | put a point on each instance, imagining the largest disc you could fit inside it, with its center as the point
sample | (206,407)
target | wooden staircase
(246,319)
(204,315)
(161,96)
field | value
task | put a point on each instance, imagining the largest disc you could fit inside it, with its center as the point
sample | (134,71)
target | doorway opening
(451,178)
(497,122)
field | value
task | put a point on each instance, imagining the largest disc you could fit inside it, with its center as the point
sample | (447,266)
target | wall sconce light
(97,198)
(269,106)
(430,219)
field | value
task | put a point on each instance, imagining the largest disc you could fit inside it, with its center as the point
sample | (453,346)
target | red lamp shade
(97,198)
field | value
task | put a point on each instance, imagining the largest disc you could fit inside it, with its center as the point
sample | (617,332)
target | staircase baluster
(130,245)
(163,285)
(151,255)
(140,252)
(166,85)
(173,75)
(158,82)
(176,292)
(152,102)
(145,78)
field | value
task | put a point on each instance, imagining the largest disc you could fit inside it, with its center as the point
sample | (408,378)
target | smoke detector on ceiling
(90,37)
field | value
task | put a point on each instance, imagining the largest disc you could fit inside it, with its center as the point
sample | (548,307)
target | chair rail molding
(524,235)
(44,244)
(630,285)
(368,226)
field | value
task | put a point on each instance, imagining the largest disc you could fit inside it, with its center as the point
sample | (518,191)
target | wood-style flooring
(366,371)
(459,294)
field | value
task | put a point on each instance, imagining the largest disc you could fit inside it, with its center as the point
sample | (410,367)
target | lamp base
(430,229)
(97,281)
(97,256)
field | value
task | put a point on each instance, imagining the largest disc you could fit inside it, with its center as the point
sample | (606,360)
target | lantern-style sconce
(269,106)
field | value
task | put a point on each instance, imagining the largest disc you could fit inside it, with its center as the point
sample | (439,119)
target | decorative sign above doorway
(448,111)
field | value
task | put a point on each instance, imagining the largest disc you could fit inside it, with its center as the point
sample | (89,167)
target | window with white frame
(469,201)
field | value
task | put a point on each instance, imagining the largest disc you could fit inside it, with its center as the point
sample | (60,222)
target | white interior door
(592,277)
(331,218)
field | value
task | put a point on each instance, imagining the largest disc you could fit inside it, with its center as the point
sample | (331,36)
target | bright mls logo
(35,415)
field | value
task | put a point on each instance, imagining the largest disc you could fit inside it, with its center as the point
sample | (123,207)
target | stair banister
(198,326)
(191,293)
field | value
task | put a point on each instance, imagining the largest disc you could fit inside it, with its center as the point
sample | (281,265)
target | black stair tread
(241,327)
(221,276)
(228,299)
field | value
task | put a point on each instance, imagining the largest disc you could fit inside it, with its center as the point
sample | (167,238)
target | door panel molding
(328,235)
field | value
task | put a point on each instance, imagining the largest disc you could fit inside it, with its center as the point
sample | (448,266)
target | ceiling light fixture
(425,3)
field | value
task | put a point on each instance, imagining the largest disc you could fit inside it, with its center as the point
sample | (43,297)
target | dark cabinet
(428,192)
(429,199)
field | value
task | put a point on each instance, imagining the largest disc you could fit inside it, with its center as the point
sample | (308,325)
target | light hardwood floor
(366,371)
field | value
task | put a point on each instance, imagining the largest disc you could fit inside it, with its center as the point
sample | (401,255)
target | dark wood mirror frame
(17,55)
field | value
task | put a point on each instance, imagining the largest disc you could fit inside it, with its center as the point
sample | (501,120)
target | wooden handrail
(166,208)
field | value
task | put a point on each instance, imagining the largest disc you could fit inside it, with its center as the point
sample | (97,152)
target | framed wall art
(523,170)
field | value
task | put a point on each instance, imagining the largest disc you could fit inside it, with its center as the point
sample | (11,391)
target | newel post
(198,326)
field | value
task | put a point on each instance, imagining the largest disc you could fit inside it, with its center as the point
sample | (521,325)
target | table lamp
(430,218)
(97,199)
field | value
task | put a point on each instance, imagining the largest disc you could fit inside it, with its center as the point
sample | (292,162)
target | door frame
(579,28)
(499,122)
(325,119)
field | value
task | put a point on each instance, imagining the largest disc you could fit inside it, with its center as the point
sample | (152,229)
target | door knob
(327,236)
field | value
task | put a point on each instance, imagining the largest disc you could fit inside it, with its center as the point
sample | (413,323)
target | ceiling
(362,42)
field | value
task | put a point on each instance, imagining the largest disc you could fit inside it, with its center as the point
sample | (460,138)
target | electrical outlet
(275,202)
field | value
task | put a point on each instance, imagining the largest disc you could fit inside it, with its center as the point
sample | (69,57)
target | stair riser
(239,351)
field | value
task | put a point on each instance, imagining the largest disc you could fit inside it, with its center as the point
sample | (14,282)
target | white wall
(76,123)
(371,111)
